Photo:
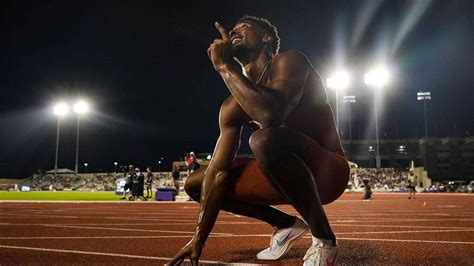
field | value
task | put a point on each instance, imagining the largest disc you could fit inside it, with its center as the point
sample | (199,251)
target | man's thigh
(251,185)
(330,171)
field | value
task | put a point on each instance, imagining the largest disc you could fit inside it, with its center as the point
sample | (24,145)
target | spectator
(189,162)
(367,195)
(176,177)
(138,185)
(128,181)
(149,182)
(196,164)
(412,181)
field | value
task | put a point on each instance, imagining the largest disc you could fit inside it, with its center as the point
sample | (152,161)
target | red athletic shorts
(330,171)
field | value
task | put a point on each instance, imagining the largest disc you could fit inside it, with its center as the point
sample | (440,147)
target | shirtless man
(298,155)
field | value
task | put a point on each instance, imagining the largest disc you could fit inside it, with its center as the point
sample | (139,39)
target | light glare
(377,77)
(61,109)
(81,107)
(340,80)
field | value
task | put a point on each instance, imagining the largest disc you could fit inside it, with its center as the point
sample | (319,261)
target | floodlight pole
(424,96)
(77,145)
(350,99)
(337,110)
(350,125)
(57,148)
(377,153)
(426,119)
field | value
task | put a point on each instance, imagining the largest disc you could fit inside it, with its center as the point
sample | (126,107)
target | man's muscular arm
(269,105)
(216,179)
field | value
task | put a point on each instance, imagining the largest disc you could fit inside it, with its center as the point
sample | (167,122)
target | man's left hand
(220,51)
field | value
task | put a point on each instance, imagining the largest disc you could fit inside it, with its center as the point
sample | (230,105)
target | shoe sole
(288,245)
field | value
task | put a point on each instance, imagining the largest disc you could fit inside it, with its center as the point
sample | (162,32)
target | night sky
(144,68)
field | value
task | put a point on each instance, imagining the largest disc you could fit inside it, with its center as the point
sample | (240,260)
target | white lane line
(404,240)
(246,223)
(5,215)
(192,218)
(406,231)
(401,226)
(367,216)
(384,220)
(127,229)
(88,237)
(107,254)
(307,236)
(111,202)
(159,224)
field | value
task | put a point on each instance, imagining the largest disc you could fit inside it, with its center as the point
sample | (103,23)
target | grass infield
(60,195)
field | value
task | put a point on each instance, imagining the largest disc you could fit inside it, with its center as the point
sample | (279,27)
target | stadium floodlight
(209,157)
(85,167)
(80,107)
(424,96)
(115,164)
(60,109)
(401,149)
(338,81)
(377,77)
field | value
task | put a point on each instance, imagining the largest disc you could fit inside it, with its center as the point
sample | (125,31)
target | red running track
(390,229)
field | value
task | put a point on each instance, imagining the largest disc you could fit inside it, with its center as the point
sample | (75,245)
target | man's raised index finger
(223,31)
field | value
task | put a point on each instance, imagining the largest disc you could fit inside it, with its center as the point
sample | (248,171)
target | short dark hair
(268,27)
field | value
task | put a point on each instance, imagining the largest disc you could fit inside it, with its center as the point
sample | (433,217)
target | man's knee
(264,140)
(193,184)
(191,189)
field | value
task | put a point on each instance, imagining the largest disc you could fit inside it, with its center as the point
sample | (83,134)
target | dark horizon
(155,94)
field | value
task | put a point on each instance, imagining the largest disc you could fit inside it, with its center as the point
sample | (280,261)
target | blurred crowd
(387,179)
(379,180)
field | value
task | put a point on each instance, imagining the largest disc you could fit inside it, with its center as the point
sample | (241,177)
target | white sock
(325,242)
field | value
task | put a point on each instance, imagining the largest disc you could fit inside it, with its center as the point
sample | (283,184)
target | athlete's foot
(282,240)
(323,252)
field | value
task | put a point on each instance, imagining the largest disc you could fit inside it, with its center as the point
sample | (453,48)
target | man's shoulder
(291,56)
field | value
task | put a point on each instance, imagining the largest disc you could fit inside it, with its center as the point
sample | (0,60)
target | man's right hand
(192,250)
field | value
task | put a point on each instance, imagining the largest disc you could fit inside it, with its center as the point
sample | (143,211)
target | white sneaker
(282,240)
(321,253)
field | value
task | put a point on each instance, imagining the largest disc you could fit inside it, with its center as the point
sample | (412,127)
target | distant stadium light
(81,107)
(349,99)
(209,157)
(423,95)
(61,109)
(377,77)
(401,149)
